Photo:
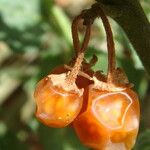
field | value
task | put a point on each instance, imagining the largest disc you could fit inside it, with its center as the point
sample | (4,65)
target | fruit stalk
(71,78)
(110,43)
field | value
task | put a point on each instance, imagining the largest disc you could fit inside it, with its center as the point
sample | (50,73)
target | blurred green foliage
(35,37)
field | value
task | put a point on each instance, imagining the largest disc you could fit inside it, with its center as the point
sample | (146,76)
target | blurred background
(35,37)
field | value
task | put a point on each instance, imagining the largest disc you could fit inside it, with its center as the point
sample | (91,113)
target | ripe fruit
(58,98)
(56,106)
(110,120)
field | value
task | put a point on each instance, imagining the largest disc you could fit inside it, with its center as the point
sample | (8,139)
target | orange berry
(56,106)
(109,119)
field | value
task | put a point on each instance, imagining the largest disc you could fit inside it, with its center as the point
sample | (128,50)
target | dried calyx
(67,80)
(116,79)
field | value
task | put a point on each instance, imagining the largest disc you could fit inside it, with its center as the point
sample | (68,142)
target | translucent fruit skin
(109,121)
(56,107)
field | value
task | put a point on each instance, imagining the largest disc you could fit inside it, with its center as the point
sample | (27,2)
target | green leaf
(143,142)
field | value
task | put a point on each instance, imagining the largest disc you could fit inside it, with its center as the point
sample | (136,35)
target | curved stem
(71,78)
(86,38)
(110,43)
(75,37)
(80,52)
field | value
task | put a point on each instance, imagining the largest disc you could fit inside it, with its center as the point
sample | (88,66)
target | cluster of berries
(103,109)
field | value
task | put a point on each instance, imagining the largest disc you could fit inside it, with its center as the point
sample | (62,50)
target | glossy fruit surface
(55,106)
(110,120)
